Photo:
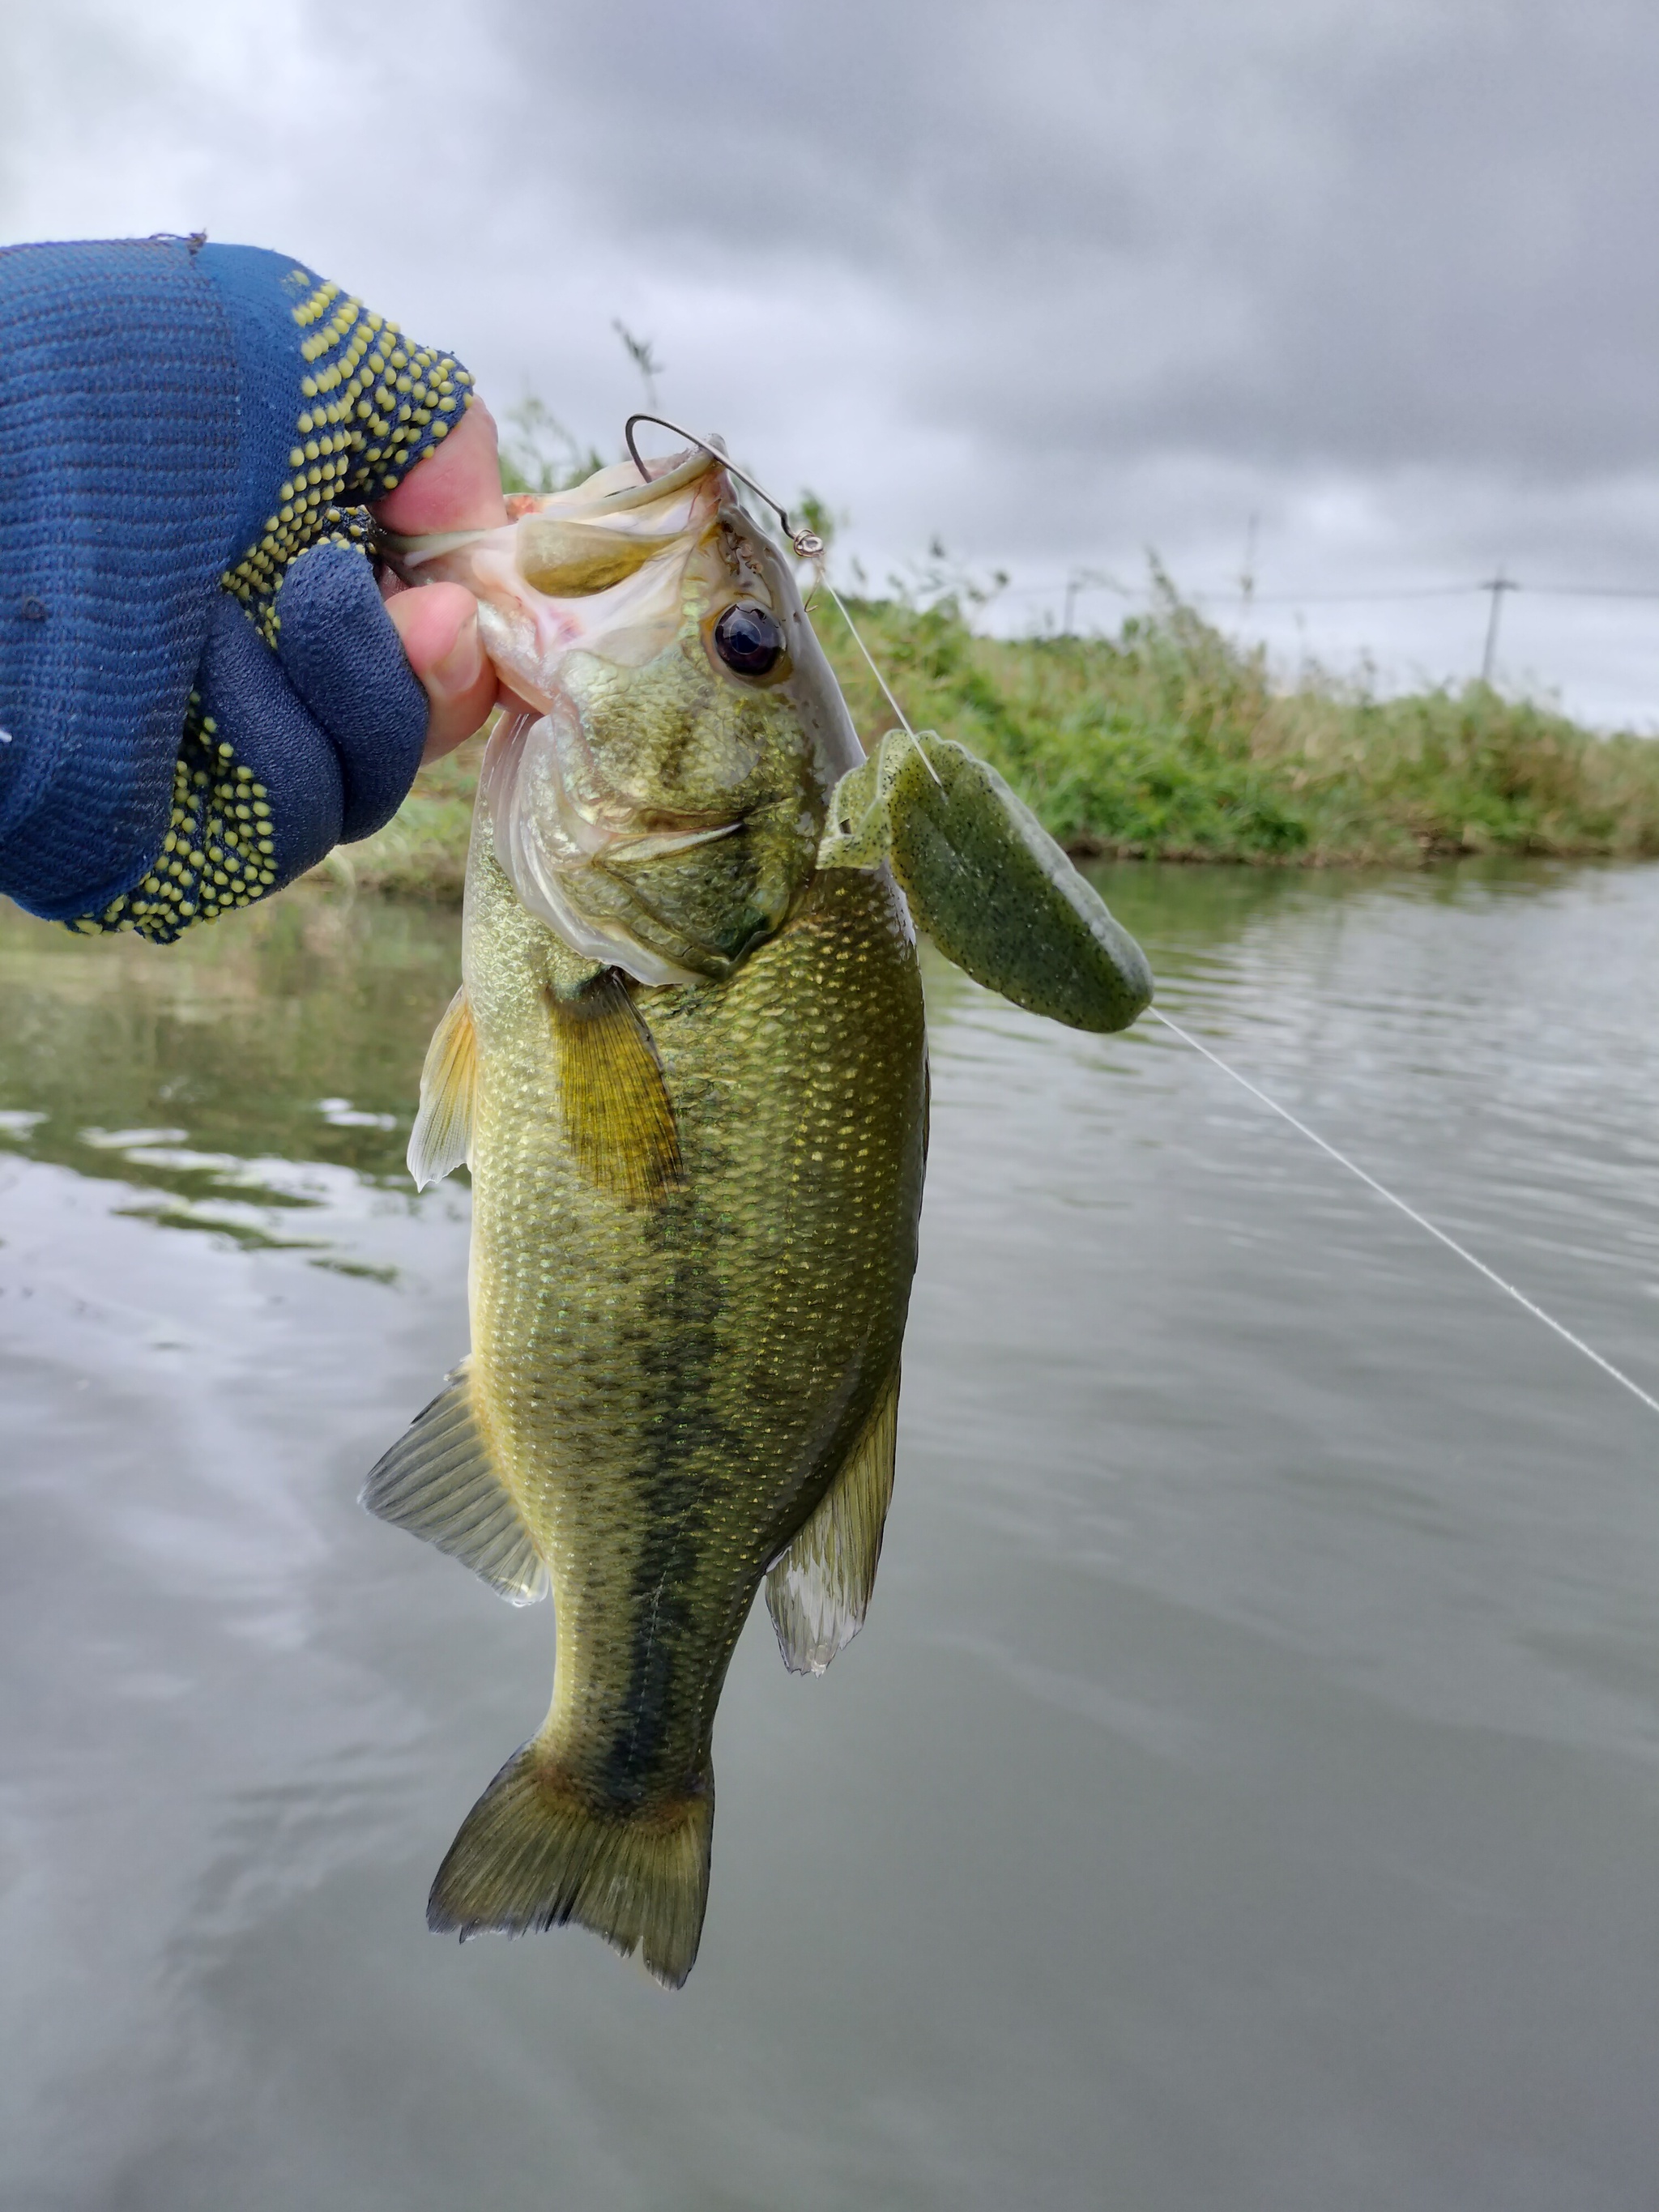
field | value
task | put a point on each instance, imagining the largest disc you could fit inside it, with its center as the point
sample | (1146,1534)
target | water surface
(1245,1793)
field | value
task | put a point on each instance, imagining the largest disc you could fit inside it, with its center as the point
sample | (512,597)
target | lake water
(1245,1794)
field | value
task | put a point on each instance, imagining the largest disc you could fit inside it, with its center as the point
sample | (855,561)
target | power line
(1342,598)
(1588,592)
(1244,599)
(1072,587)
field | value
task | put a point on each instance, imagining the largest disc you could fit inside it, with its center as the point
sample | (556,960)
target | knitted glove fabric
(200,689)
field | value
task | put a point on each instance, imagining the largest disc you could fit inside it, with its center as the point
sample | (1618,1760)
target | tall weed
(1170,741)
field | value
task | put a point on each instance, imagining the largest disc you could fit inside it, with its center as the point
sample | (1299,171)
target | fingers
(457,487)
(345,661)
(438,625)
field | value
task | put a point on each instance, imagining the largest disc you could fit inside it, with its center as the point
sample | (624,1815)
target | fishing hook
(806,543)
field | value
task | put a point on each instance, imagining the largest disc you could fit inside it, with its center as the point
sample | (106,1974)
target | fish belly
(669,1387)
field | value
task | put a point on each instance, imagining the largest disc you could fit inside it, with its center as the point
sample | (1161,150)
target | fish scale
(772,1289)
(687,1069)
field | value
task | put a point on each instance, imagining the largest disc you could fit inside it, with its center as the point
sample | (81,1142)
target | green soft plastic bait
(987,882)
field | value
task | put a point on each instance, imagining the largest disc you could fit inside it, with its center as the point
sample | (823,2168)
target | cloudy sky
(1371,287)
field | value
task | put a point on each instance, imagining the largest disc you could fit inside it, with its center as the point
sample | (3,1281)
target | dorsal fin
(819,1591)
(440,1482)
(443,1134)
(616,1111)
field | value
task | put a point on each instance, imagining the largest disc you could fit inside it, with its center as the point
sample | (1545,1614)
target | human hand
(202,689)
(457,487)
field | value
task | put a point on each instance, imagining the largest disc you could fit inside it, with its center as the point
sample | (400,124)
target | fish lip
(402,554)
(654,488)
(673,833)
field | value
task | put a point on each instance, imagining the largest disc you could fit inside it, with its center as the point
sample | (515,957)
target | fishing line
(1411,1213)
(805,542)
(904,718)
(808,546)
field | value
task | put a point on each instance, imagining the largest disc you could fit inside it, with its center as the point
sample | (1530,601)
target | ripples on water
(1244,1791)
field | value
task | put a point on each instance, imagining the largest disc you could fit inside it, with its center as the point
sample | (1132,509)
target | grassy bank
(1171,742)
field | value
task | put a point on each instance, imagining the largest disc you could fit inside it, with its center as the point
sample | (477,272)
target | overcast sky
(1055,282)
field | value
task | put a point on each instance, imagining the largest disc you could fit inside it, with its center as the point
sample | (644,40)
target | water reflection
(214,1078)
(1246,1791)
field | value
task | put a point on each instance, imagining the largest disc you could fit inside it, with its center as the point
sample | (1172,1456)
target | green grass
(1170,741)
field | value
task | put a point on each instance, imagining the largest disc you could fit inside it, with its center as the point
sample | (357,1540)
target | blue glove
(200,689)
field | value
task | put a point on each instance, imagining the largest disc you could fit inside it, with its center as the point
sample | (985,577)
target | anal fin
(443,1134)
(440,1482)
(618,1114)
(819,1591)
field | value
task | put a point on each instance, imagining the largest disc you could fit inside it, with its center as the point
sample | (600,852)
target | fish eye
(749,638)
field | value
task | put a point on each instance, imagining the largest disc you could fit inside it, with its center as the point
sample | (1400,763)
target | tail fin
(535,1853)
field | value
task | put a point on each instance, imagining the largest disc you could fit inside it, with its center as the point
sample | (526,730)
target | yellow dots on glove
(381,407)
(212,859)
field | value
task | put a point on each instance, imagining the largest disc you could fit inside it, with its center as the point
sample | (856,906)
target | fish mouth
(599,569)
(583,505)
(671,475)
(612,571)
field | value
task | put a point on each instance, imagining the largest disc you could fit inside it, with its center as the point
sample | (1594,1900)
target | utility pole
(1072,583)
(1498,585)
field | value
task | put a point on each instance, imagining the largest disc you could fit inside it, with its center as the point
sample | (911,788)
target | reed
(1172,741)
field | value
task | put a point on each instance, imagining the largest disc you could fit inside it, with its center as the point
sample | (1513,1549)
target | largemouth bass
(687,1066)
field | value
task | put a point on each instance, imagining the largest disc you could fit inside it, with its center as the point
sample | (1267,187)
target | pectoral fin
(443,1127)
(819,1591)
(987,882)
(440,1482)
(618,1114)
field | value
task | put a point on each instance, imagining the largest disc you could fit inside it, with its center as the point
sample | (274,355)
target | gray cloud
(1310,233)
(1060,280)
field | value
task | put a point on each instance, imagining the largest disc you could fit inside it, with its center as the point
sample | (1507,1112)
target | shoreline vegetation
(1172,741)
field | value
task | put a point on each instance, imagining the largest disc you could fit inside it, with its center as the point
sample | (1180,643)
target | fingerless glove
(200,689)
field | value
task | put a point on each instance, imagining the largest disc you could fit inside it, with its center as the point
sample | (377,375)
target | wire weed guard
(806,543)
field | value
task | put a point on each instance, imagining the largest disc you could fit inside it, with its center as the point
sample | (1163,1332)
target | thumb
(438,625)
